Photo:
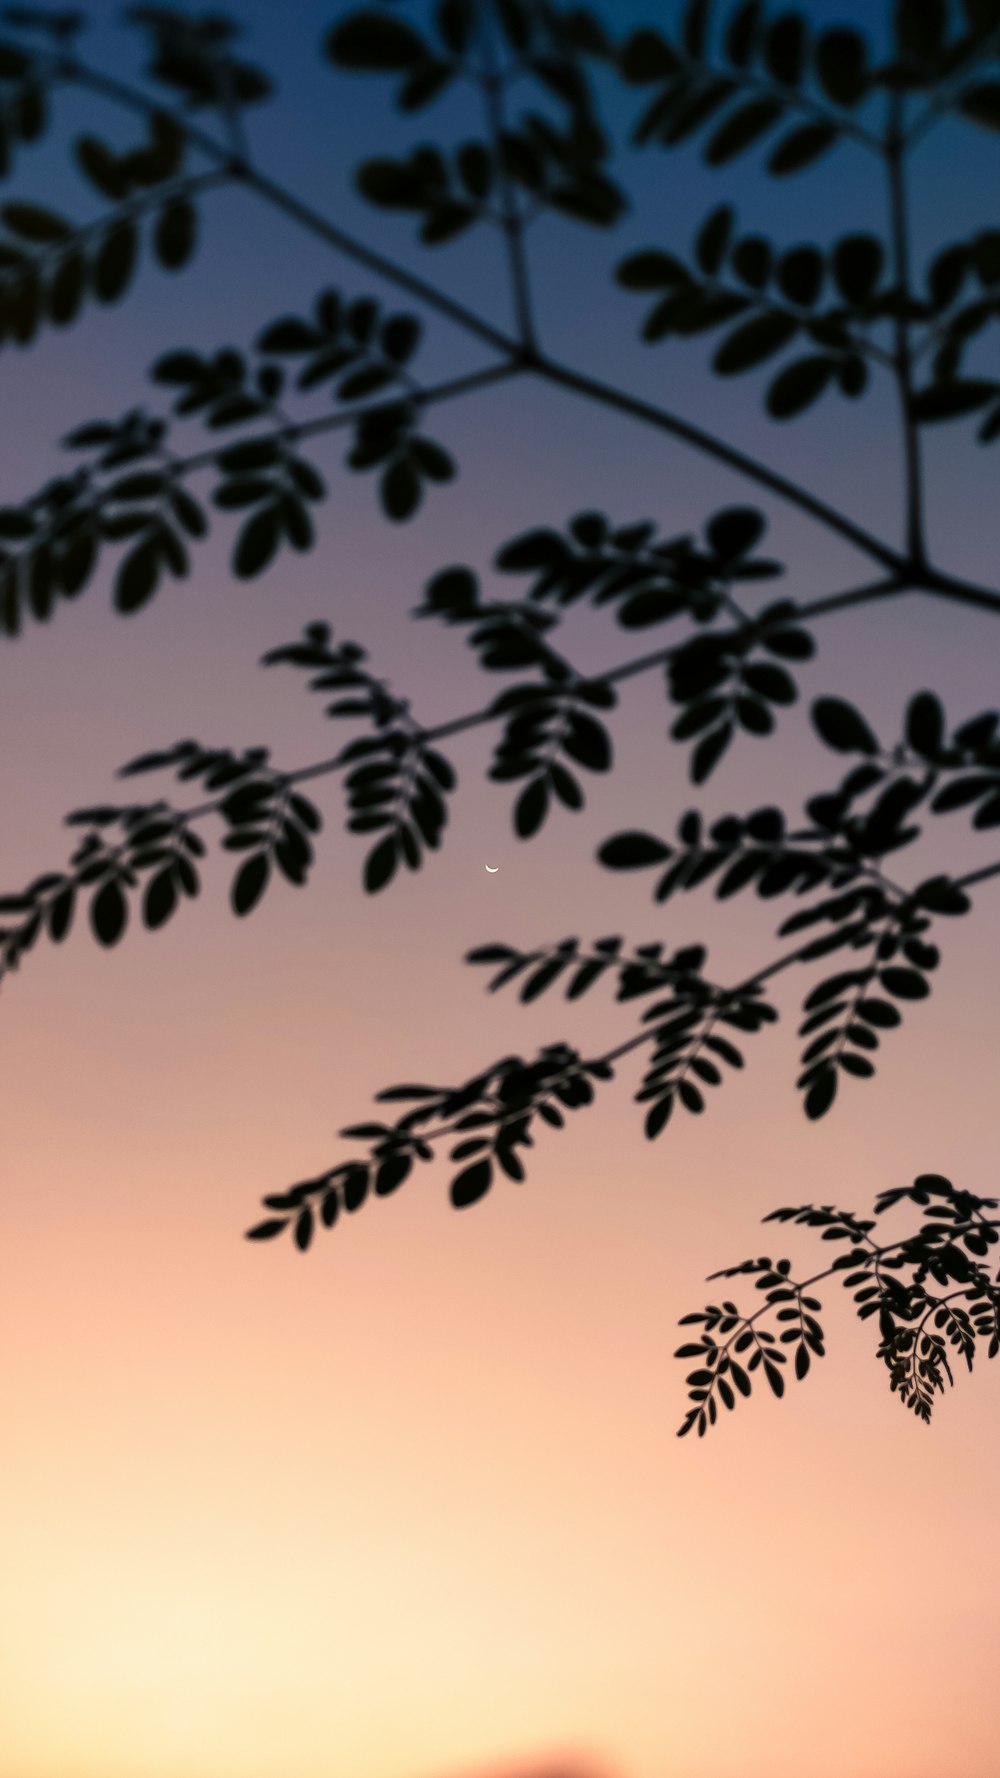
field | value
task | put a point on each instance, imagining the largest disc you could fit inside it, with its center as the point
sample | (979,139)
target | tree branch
(609,396)
(894,152)
(492,81)
(434,298)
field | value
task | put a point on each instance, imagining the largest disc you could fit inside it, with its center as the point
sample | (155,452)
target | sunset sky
(412,1505)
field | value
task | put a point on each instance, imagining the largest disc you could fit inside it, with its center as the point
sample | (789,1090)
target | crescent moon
(493,868)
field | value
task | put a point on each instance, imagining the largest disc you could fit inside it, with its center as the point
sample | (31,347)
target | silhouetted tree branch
(848,313)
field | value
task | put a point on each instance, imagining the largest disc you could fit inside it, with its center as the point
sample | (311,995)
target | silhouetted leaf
(33,223)
(925,724)
(109,913)
(981,104)
(471,1184)
(266,1231)
(374,42)
(741,128)
(531,808)
(160,899)
(256,544)
(137,577)
(250,882)
(176,232)
(115,261)
(842,727)
(380,865)
(857,265)
(906,984)
(391,1174)
(710,248)
(877,1012)
(753,342)
(840,65)
(821,1093)
(799,385)
(709,751)
(950,401)
(628,851)
(734,531)
(400,490)
(800,148)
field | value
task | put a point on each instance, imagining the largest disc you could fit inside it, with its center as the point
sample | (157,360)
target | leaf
(842,727)
(632,850)
(925,724)
(800,148)
(821,1093)
(109,913)
(177,367)
(658,1115)
(840,65)
(981,105)
(651,270)
(878,1012)
(250,882)
(858,1065)
(471,1184)
(160,899)
(774,1377)
(646,56)
(905,984)
(257,543)
(304,1225)
(374,42)
(940,896)
(531,808)
(400,490)
(857,266)
(266,1231)
(392,1173)
(920,28)
(586,741)
(785,48)
(711,242)
(753,342)
(33,223)
(800,384)
(137,577)
(175,237)
(752,260)
(690,1097)
(734,531)
(381,863)
(800,275)
(770,682)
(115,261)
(61,913)
(951,400)
(741,128)
(709,751)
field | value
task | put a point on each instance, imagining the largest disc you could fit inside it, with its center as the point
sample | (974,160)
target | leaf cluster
(492,1113)
(776,300)
(397,782)
(917,1325)
(555,163)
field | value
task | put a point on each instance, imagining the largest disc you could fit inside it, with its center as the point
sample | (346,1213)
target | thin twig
(894,153)
(286,202)
(492,84)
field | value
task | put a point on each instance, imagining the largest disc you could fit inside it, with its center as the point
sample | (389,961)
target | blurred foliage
(743,81)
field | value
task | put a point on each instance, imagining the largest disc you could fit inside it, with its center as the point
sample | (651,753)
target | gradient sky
(412,1506)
